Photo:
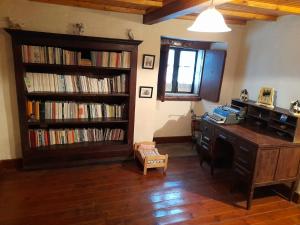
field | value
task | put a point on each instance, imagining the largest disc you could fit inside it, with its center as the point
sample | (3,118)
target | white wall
(271,57)
(163,119)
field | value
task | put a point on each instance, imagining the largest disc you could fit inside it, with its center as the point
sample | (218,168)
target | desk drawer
(219,133)
(245,154)
(242,172)
(206,129)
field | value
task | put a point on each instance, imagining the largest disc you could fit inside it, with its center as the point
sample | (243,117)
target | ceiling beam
(177,9)
(267,6)
(247,15)
(228,21)
(93,5)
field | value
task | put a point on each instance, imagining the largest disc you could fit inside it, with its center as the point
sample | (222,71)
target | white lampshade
(210,20)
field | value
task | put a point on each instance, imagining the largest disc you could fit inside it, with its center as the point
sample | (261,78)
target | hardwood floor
(118,194)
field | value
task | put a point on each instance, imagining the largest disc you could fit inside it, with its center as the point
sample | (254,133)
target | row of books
(44,82)
(40,137)
(53,55)
(37,110)
(49,55)
(111,59)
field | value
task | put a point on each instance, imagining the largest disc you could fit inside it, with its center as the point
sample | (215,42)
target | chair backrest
(137,144)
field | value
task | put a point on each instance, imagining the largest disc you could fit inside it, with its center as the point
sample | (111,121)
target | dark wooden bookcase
(79,153)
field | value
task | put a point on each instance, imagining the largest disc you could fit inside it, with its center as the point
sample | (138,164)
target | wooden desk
(259,159)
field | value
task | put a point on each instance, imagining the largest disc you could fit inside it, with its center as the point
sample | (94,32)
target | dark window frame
(178,50)
(211,74)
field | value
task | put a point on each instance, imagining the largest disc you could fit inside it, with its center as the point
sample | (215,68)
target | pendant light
(210,20)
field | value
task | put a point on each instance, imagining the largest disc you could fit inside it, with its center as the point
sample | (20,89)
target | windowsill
(181,97)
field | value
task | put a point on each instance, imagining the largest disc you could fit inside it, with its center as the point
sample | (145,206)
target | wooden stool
(149,156)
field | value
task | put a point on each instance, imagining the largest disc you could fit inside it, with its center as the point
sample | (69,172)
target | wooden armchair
(149,156)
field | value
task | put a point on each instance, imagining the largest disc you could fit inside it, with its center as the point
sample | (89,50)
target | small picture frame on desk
(145,92)
(148,61)
(266,97)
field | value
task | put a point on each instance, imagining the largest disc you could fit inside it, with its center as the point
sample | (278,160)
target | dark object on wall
(83,152)
(148,61)
(145,92)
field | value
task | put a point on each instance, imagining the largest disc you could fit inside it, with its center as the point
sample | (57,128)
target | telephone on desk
(226,115)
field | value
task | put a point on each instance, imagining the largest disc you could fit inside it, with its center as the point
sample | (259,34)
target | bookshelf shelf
(76,121)
(64,94)
(285,123)
(101,146)
(31,46)
(286,131)
(258,117)
(61,68)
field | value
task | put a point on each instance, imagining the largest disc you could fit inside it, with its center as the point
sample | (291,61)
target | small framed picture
(266,97)
(145,92)
(148,62)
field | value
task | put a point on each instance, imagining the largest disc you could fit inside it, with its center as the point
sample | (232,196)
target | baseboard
(11,164)
(174,139)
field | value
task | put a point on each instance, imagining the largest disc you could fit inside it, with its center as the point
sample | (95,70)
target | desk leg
(293,189)
(212,167)
(250,197)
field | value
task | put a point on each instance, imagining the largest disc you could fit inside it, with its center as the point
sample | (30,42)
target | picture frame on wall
(146,92)
(148,61)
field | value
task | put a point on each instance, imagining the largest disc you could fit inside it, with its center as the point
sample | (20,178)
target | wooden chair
(149,156)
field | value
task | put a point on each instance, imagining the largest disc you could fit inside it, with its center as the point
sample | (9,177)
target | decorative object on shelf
(146,92)
(193,114)
(283,118)
(210,20)
(130,34)
(12,25)
(266,97)
(148,61)
(78,28)
(295,108)
(244,95)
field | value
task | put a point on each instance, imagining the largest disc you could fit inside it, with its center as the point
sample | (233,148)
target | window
(181,70)
(190,72)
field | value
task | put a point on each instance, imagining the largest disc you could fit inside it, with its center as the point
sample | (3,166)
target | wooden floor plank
(118,194)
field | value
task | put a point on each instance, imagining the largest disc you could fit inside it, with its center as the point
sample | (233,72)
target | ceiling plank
(178,8)
(267,6)
(228,21)
(93,5)
(149,3)
(247,15)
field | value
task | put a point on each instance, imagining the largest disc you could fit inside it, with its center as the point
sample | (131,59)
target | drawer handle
(242,160)
(240,172)
(206,138)
(240,167)
(244,149)
(222,137)
(205,147)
